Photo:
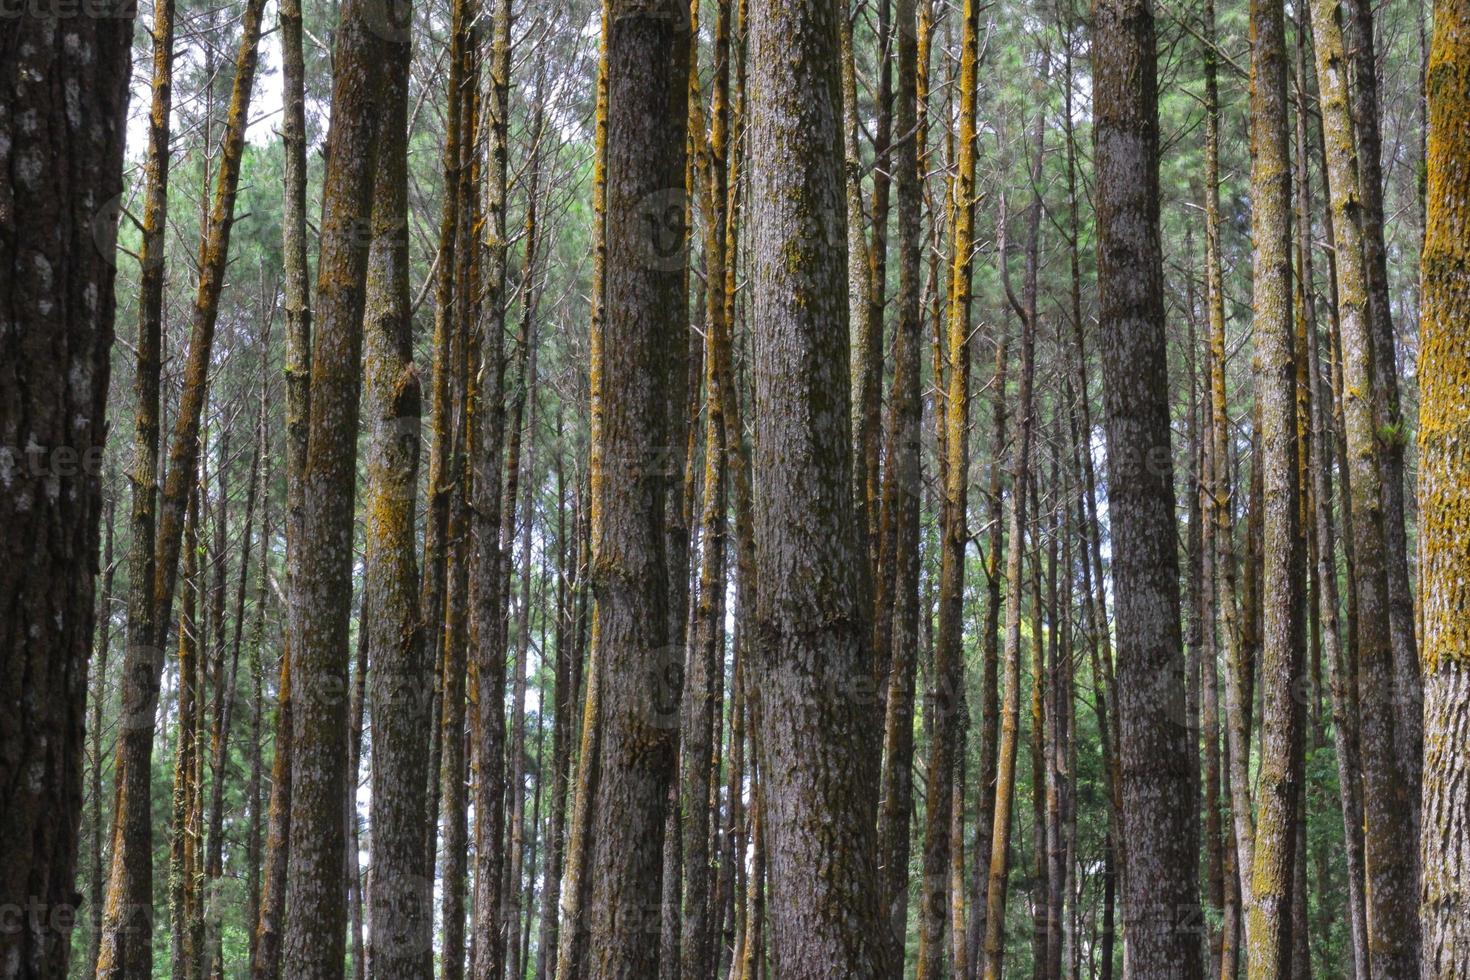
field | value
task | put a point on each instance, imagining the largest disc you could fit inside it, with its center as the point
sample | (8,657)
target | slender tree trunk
(1269,932)
(1393,940)
(182,954)
(1010,708)
(896,640)
(1393,435)
(142,652)
(1162,902)
(942,842)
(297,290)
(125,942)
(96,879)
(1443,471)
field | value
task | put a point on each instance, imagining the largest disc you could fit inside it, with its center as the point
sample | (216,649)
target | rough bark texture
(1393,436)
(484,243)
(637,720)
(1162,894)
(400,894)
(316,889)
(1444,472)
(1270,940)
(1393,928)
(817,739)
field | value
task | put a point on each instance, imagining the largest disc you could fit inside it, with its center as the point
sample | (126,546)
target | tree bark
(1162,893)
(1270,939)
(637,718)
(817,744)
(1393,928)
(1444,470)
(316,891)
(400,892)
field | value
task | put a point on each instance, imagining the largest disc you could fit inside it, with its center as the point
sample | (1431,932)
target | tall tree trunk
(1393,926)
(182,954)
(1393,435)
(316,892)
(401,886)
(142,651)
(124,945)
(647,124)
(1162,893)
(1010,708)
(96,878)
(896,639)
(946,748)
(487,454)
(1270,940)
(1443,471)
(297,302)
(818,751)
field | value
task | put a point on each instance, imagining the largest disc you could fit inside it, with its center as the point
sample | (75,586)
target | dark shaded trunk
(1162,893)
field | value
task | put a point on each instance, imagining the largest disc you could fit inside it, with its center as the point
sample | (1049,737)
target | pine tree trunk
(142,656)
(818,750)
(316,886)
(896,638)
(943,842)
(1270,939)
(401,686)
(1393,926)
(1010,707)
(1443,471)
(124,944)
(637,717)
(1162,895)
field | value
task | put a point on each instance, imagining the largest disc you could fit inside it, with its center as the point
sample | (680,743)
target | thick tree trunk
(637,717)
(1162,893)
(1444,471)
(817,742)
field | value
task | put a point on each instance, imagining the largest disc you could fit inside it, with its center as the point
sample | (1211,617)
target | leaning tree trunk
(1162,893)
(125,946)
(315,883)
(1444,472)
(818,752)
(637,718)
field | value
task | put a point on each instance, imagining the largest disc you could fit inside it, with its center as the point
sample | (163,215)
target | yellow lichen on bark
(1444,504)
